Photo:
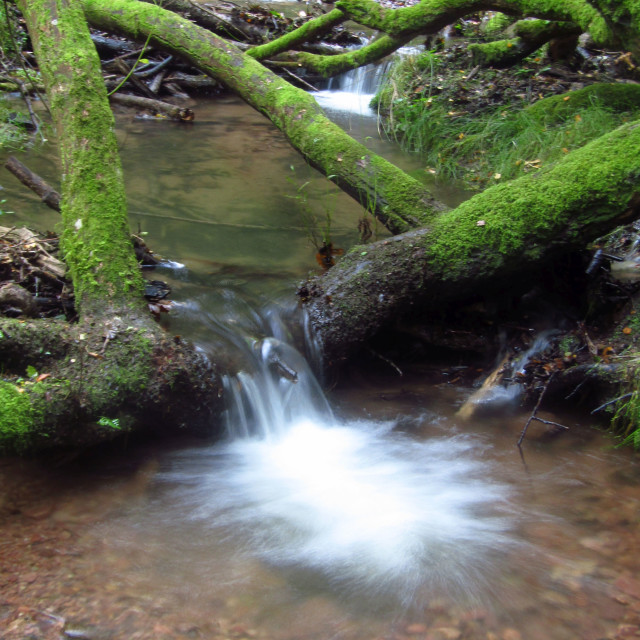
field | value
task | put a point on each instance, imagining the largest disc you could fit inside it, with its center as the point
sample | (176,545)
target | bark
(500,237)
(398,200)
(47,193)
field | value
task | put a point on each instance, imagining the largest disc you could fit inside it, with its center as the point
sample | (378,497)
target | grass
(480,146)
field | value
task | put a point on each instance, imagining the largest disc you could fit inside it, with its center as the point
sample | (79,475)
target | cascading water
(353,90)
(357,508)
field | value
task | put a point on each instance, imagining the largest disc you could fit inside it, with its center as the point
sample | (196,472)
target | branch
(398,200)
(47,193)
(329,66)
(309,30)
(429,16)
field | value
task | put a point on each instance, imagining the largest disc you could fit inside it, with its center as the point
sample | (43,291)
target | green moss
(612,96)
(503,217)
(17,416)
(497,24)
(328,66)
(96,238)
(497,53)
(315,27)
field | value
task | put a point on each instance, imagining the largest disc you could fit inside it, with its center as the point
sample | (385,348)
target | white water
(357,508)
(352,91)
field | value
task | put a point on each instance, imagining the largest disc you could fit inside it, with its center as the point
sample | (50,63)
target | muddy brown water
(190,539)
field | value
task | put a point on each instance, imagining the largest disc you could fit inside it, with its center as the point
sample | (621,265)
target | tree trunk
(488,243)
(398,200)
(95,240)
(114,369)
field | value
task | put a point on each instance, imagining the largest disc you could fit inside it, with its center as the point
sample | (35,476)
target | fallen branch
(535,410)
(610,402)
(47,193)
(182,114)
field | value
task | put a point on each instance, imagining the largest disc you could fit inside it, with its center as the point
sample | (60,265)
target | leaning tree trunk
(114,368)
(487,244)
(398,200)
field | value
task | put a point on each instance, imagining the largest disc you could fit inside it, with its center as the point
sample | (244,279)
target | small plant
(112,423)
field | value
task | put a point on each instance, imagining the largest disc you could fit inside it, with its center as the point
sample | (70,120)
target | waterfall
(357,506)
(353,90)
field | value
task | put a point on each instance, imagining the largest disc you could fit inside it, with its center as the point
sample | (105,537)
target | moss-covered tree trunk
(496,241)
(398,200)
(96,239)
(115,368)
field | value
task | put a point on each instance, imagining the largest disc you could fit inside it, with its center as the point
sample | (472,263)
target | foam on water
(359,505)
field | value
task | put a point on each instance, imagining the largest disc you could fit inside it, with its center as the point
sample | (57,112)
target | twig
(535,409)
(606,404)
(301,80)
(551,422)
(389,362)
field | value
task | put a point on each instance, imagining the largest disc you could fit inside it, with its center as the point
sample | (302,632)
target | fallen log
(502,236)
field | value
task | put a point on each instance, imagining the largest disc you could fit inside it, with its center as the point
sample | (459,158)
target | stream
(369,511)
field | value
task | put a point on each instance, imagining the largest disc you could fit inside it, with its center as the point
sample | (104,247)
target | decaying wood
(472,403)
(26,242)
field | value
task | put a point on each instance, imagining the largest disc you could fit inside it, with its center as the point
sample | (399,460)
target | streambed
(391,519)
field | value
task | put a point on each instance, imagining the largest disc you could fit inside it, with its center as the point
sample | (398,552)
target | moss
(541,205)
(17,416)
(312,29)
(613,96)
(328,66)
(496,25)
(497,53)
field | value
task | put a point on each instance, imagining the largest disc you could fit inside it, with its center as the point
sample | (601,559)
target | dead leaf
(42,376)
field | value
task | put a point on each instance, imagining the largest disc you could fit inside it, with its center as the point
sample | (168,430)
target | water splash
(355,506)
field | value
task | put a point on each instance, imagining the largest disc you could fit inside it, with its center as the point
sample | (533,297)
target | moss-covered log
(329,66)
(308,31)
(429,16)
(499,237)
(398,200)
(529,36)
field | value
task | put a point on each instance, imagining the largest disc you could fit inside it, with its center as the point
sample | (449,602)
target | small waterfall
(353,90)
(356,507)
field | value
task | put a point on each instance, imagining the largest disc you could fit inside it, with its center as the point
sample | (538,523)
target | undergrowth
(626,420)
(431,110)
